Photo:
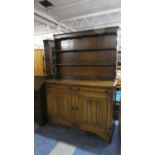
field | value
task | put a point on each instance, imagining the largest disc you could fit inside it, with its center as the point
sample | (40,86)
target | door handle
(73,108)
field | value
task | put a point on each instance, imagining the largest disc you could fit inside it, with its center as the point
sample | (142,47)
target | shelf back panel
(87,58)
(90,72)
(82,55)
(97,42)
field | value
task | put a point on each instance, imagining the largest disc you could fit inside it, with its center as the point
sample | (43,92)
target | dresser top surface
(84,82)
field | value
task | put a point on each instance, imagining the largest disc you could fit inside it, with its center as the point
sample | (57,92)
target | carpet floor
(60,140)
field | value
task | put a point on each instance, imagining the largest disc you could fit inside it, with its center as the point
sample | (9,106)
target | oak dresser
(81,92)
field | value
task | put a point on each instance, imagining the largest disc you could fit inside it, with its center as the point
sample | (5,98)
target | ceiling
(75,15)
(64,9)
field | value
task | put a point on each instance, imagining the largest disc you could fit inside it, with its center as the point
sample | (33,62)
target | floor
(60,140)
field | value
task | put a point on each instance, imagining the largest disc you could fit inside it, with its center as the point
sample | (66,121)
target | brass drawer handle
(107,91)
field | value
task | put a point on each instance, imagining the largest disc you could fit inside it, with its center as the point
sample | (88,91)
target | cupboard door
(59,105)
(94,111)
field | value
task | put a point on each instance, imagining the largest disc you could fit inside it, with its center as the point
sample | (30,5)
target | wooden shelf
(66,37)
(86,65)
(87,50)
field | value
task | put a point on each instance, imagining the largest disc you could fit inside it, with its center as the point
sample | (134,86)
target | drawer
(74,88)
(92,89)
(58,88)
(52,86)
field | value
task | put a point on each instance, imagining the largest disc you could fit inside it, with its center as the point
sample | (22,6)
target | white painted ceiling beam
(97,20)
(48,31)
(94,14)
(98,26)
(72,4)
(44,32)
(50,19)
(44,21)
